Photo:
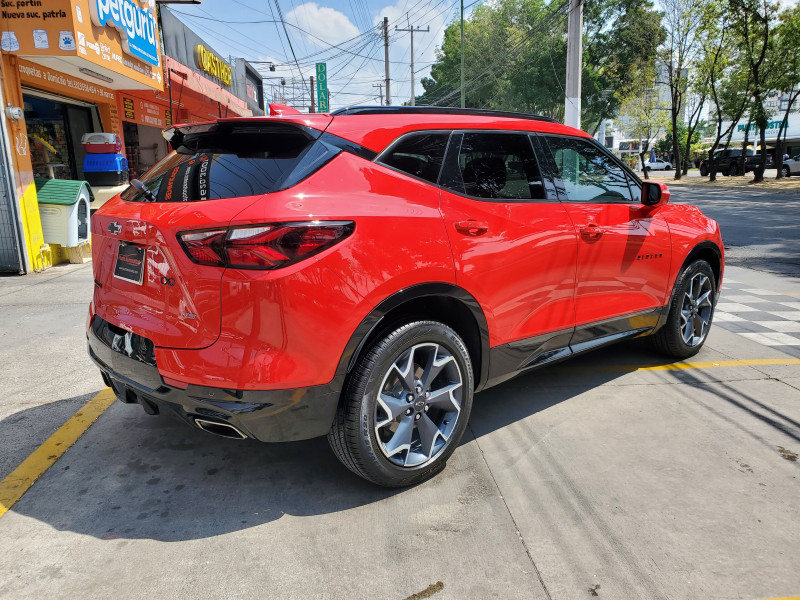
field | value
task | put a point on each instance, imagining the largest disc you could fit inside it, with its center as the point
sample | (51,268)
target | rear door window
(418,154)
(497,166)
(230,160)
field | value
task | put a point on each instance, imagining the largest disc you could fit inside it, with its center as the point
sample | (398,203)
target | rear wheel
(786,171)
(405,406)
(690,313)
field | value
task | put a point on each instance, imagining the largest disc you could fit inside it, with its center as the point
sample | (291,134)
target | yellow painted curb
(24,476)
(680,366)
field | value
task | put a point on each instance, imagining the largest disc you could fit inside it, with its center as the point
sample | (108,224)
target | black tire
(354,436)
(703,171)
(786,171)
(670,339)
(733,171)
(668,168)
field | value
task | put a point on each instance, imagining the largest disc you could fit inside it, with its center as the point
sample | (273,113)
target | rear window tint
(418,154)
(227,161)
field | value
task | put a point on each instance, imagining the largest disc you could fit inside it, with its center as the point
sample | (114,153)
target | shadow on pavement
(134,476)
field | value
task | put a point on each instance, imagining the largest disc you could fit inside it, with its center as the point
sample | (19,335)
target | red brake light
(264,246)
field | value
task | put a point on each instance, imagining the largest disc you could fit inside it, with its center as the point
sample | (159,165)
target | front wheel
(703,170)
(786,172)
(734,170)
(405,406)
(690,313)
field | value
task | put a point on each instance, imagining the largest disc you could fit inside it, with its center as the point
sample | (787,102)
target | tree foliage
(515,52)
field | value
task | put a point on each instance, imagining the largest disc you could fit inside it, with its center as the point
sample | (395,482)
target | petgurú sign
(136,26)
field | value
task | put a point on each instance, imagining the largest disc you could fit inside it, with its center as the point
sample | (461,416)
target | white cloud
(324,22)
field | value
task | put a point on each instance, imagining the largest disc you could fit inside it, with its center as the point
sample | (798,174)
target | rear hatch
(144,280)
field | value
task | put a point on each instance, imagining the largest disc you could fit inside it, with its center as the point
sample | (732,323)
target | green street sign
(322,87)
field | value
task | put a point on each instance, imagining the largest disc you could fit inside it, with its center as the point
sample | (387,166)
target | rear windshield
(230,160)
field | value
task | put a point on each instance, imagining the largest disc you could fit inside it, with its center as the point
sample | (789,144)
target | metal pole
(380,90)
(169,91)
(386,59)
(463,102)
(572,102)
(311,80)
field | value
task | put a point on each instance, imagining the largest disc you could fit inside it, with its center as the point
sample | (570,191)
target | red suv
(362,274)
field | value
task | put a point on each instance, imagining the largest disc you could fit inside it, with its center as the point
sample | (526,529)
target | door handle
(472,228)
(592,232)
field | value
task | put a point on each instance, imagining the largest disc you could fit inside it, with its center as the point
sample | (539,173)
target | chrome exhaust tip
(220,429)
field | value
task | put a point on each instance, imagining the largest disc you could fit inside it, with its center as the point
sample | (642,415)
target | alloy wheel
(418,405)
(696,310)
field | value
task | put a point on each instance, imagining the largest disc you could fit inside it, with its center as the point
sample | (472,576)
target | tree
(754,22)
(516,52)
(684,22)
(646,115)
(728,83)
(787,77)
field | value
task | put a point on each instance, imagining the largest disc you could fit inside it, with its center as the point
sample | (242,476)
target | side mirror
(654,193)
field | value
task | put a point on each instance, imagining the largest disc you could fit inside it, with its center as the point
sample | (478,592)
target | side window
(587,172)
(418,154)
(498,166)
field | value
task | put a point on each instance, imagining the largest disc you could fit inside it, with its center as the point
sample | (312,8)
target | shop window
(54,136)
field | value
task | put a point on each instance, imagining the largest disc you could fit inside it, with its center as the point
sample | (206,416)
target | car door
(513,244)
(623,246)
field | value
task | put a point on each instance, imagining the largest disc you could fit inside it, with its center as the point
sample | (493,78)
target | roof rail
(436,110)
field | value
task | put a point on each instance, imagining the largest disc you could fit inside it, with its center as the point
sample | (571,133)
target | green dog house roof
(60,191)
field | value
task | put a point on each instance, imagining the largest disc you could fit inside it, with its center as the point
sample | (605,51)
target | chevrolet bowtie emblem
(114,227)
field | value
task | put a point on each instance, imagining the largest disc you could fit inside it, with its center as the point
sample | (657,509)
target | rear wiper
(141,187)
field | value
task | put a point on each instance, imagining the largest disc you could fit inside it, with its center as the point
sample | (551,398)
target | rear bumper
(268,416)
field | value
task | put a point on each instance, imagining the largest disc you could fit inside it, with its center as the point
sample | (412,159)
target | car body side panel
(689,227)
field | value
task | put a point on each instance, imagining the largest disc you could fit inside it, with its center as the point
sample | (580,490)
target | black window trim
(631,177)
(450,166)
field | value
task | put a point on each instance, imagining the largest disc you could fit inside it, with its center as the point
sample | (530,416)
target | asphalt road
(760,228)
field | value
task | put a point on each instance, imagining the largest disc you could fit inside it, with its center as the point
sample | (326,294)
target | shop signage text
(754,127)
(136,26)
(322,87)
(212,64)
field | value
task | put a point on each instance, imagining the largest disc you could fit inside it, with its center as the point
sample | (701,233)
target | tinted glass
(230,161)
(419,155)
(498,166)
(587,172)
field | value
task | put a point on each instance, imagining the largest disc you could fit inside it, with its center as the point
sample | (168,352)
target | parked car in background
(362,274)
(792,166)
(753,161)
(728,162)
(657,165)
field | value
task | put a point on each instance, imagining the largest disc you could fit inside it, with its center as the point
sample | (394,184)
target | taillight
(270,246)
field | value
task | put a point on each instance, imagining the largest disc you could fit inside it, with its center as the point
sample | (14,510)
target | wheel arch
(443,302)
(707,251)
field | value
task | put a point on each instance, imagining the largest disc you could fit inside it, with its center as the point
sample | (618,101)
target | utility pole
(463,102)
(412,30)
(311,81)
(380,90)
(572,102)
(386,59)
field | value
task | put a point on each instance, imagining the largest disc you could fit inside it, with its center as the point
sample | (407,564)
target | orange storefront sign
(108,38)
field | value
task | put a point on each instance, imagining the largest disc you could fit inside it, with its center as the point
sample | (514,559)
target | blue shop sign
(136,25)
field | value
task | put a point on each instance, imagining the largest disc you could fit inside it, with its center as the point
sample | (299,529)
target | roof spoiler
(278,110)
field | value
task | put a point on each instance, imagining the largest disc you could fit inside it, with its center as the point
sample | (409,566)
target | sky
(345,34)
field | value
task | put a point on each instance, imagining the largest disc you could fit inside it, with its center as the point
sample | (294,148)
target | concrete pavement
(614,475)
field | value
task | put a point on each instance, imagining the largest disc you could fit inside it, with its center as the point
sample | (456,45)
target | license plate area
(129,265)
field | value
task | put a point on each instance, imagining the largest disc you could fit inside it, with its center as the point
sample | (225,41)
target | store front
(61,70)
